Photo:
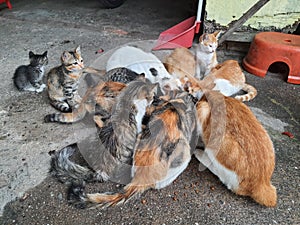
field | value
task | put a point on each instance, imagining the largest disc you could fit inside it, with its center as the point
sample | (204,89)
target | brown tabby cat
(182,60)
(63,81)
(163,150)
(237,147)
(112,156)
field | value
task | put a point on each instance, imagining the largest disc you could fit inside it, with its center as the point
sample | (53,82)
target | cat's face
(73,60)
(38,60)
(209,42)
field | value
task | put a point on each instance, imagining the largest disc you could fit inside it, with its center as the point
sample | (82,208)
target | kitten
(198,64)
(227,77)
(99,99)
(30,77)
(112,156)
(63,81)
(163,150)
(237,147)
(206,55)
(143,62)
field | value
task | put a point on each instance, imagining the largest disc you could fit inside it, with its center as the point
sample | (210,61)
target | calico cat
(98,99)
(163,150)
(30,77)
(112,156)
(237,147)
(140,61)
(198,64)
(63,81)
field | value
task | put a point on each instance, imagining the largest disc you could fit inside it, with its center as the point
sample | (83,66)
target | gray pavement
(29,196)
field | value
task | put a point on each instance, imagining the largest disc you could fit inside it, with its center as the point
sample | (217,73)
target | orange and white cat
(199,64)
(237,147)
(226,77)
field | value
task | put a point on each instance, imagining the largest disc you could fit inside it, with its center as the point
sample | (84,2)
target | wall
(276,13)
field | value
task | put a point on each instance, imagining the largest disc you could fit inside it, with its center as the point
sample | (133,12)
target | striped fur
(162,151)
(63,81)
(237,147)
(98,100)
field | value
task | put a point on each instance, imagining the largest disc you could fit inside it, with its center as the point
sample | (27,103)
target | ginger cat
(237,147)
(182,60)
(163,150)
(226,77)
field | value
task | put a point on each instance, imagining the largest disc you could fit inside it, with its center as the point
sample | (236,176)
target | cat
(237,147)
(111,157)
(98,99)
(199,64)
(30,77)
(226,77)
(163,150)
(63,81)
(143,62)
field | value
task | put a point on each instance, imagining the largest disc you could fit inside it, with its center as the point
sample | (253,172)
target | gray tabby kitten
(29,77)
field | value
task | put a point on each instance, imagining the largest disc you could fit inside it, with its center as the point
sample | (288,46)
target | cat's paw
(41,88)
(50,118)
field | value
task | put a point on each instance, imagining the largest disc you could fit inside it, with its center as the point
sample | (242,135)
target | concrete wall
(276,13)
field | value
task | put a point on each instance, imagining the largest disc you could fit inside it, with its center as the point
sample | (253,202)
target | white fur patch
(141,105)
(139,61)
(225,87)
(228,177)
(172,174)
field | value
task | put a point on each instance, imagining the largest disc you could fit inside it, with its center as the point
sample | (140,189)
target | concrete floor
(25,140)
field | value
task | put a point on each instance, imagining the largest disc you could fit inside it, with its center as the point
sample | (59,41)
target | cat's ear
(45,54)
(77,50)
(31,54)
(154,87)
(203,37)
(65,56)
(141,77)
(217,34)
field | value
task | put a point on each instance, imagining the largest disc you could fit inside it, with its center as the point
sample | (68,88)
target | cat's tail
(105,200)
(67,171)
(70,117)
(251,93)
(265,195)
(94,71)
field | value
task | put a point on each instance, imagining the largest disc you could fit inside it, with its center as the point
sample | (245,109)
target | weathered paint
(277,13)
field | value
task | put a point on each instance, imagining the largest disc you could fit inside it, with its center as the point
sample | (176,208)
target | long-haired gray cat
(29,77)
